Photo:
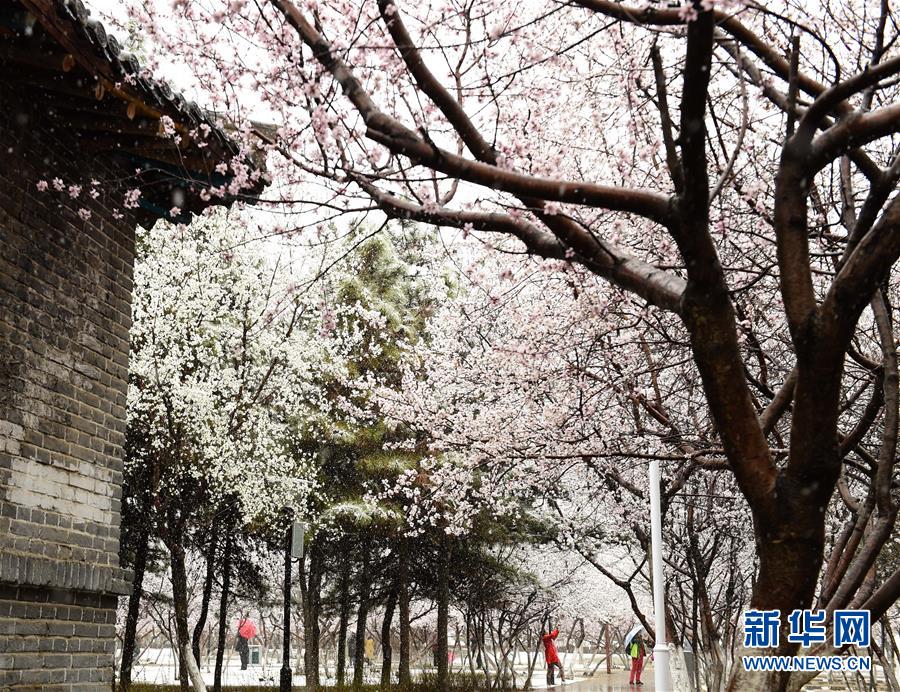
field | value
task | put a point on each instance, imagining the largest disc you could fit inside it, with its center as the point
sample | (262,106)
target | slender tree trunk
(134,608)
(193,670)
(311,608)
(223,609)
(443,613)
(403,596)
(286,672)
(344,618)
(179,598)
(207,591)
(386,651)
(362,615)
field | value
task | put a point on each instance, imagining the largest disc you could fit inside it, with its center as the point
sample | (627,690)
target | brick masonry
(65,290)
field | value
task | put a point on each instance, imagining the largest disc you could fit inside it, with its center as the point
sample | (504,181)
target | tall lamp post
(662,676)
(293,551)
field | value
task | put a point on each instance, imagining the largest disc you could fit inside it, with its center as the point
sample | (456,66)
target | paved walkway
(617,681)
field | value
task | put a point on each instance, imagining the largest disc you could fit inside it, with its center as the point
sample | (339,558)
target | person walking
(551,656)
(246,631)
(637,650)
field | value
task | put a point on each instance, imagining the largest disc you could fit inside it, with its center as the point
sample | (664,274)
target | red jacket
(550,653)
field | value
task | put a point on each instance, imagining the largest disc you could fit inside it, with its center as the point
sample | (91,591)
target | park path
(614,682)
(617,681)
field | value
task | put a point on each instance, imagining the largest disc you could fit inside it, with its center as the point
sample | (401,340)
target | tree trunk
(790,549)
(403,595)
(179,599)
(443,613)
(193,670)
(134,607)
(362,615)
(386,651)
(311,608)
(344,618)
(223,610)
(207,591)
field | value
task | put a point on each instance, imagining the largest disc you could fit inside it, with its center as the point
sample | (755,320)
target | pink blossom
(131,198)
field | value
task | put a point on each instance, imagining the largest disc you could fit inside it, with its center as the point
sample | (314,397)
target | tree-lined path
(574,317)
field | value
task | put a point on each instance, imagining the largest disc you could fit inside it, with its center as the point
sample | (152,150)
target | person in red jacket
(552,656)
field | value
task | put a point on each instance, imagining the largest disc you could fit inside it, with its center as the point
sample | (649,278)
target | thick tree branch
(654,285)
(708,312)
(791,193)
(590,250)
(879,192)
(431,86)
(771,56)
(779,404)
(650,205)
(851,132)
(862,161)
(887,455)
(399,139)
(831,98)
(665,119)
(865,421)
(866,268)
(884,597)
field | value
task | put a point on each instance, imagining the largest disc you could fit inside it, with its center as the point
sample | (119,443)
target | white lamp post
(662,676)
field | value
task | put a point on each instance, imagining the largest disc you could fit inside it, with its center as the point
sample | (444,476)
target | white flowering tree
(215,375)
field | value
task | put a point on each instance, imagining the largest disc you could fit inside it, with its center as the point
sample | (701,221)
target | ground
(264,678)
(602,682)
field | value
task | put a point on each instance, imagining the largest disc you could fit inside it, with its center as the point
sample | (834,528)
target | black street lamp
(293,550)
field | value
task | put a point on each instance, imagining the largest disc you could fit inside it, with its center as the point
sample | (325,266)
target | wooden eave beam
(147,127)
(34,54)
(195,167)
(54,84)
(197,163)
(107,108)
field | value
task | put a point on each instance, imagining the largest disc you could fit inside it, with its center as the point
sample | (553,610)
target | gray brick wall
(65,289)
(55,639)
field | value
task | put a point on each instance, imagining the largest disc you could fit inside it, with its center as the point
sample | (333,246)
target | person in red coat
(551,655)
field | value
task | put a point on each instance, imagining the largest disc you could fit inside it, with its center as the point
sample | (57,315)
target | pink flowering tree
(721,163)
(543,385)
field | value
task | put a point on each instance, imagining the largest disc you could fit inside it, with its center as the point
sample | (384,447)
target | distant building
(89,149)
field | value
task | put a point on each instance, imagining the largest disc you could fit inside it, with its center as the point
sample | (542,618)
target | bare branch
(666,120)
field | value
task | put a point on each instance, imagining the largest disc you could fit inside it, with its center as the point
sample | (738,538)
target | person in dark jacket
(246,632)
